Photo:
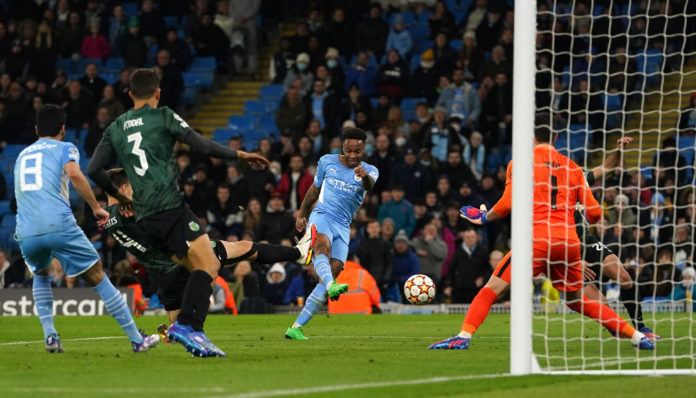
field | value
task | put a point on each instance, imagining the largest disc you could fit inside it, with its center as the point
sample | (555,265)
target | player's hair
(118,177)
(542,127)
(144,83)
(354,133)
(50,119)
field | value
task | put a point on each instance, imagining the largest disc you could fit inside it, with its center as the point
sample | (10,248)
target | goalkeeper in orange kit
(558,185)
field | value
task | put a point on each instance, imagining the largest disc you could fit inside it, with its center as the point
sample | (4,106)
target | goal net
(606,70)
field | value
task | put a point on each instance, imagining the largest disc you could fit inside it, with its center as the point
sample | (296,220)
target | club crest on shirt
(194,226)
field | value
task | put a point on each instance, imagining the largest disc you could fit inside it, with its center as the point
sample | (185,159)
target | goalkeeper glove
(474,215)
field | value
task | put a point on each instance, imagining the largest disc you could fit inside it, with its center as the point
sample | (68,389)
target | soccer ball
(419,289)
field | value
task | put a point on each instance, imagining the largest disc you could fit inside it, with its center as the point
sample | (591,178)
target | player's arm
(96,170)
(211,148)
(613,160)
(501,209)
(368,179)
(79,181)
(593,210)
(306,207)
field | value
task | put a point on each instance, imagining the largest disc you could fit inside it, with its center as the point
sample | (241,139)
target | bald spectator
(79,106)
(92,82)
(431,250)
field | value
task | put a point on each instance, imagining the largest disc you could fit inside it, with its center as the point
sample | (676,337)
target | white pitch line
(81,339)
(346,387)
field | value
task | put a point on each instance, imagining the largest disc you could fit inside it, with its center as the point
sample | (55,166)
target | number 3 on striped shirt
(137,138)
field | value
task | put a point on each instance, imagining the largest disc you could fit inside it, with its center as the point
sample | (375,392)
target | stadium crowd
(431,84)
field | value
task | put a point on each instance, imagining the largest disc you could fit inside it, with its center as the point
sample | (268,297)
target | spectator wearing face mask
(300,70)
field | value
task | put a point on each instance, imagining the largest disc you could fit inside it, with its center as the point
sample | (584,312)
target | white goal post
(649,110)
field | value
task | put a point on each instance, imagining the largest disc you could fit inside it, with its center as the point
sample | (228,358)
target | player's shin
(269,254)
(631,301)
(196,300)
(478,311)
(602,314)
(117,307)
(314,302)
(323,269)
(43,298)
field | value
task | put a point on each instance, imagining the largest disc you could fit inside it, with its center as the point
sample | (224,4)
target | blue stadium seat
(7,238)
(612,101)
(268,123)
(456,44)
(409,18)
(188,96)
(203,80)
(8,221)
(272,105)
(650,64)
(687,148)
(111,78)
(113,65)
(493,161)
(422,45)
(5,208)
(252,137)
(409,103)
(171,21)
(255,108)
(12,150)
(419,32)
(415,61)
(223,135)
(272,91)
(203,64)
(423,18)
(131,9)
(460,15)
(70,136)
(409,115)
(64,63)
(82,64)
(241,123)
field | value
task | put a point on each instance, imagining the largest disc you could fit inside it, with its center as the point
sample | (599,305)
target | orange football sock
(478,310)
(604,315)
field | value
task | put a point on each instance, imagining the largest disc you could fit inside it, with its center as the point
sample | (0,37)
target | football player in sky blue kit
(340,185)
(46,228)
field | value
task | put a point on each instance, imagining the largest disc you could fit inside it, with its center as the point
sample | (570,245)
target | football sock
(315,300)
(269,254)
(221,253)
(43,299)
(196,300)
(630,300)
(478,310)
(323,269)
(604,315)
(117,307)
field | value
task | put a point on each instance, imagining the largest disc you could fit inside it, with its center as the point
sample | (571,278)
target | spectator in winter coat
(179,50)
(442,20)
(276,284)
(79,106)
(281,61)
(210,41)
(406,261)
(376,256)
(95,44)
(132,45)
(294,183)
(461,100)
(276,223)
(96,130)
(171,81)
(152,22)
(341,33)
(475,155)
(300,70)
(325,108)
(223,215)
(372,32)
(362,74)
(92,82)
(400,38)
(109,100)
(383,159)
(438,136)
(469,269)
(432,251)
(445,56)
(457,171)
(415,178)
(425,78)
(392,77)
(399,210)
(293,114)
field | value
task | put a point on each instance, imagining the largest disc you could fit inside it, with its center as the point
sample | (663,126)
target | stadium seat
(460,15)
(252,137)
(131,9)
(113,65)
(493,161)
(272,91)
(12,150)
(203,64)
(64,63)
(268,123)
(82,64)
(188,96)
(650,65)
(456,44)
(241,123)
(70,136)
(171,21)
(272,105)
(409,103)
(415,61)
(422,45)
(255,108)
(423,18)
(5,208)
(7,238)
(8,221)
(203,80)
(111,78)
(223,135)
(420,32)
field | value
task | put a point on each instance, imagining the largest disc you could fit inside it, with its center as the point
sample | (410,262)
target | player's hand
(101,215)
(253,159)
(587,273)
(580,208)
(621,143)
(360,172)
(300,223)
(474,215)
(125,205)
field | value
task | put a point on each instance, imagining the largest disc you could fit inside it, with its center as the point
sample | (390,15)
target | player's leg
(498,284)
(38,257)
(569,279)
(331,242)
(170,290)
(230,253)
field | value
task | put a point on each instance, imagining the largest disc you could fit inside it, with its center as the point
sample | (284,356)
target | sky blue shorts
(337,232)
(71,247)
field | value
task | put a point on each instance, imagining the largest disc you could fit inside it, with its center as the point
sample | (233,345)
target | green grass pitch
(347,356)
